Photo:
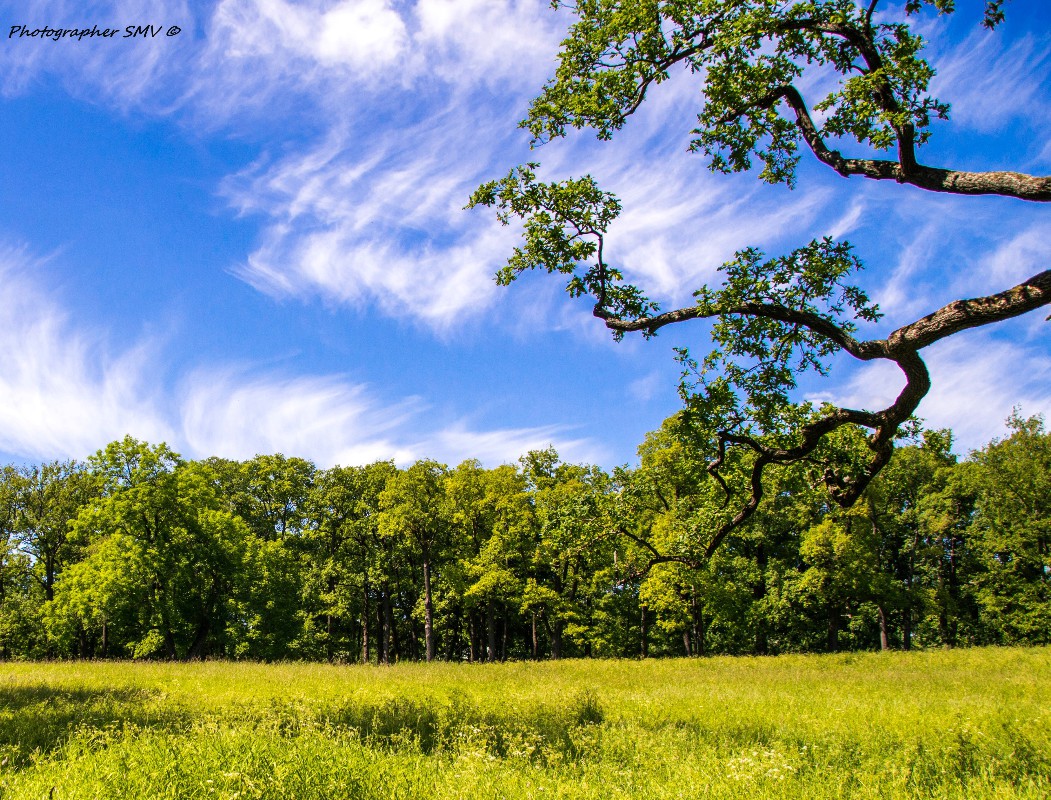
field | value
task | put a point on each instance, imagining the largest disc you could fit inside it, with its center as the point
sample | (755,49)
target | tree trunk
(536,641)
(428,611)
(450,644)
(554,637)
(385,623)
(365,655)
(645,644)
(503,644)
(490,630)
(329,654)
(758,595)
(196,651)
(472,638)
(884,635)
(49,577)
(82,642)
(414,638)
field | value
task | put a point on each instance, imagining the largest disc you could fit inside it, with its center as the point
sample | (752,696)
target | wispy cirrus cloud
(114,70)
(991,81)
(381,225)
(65,391)
(68,391)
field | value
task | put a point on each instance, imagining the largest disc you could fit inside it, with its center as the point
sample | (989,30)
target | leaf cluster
(748,52)
(744,382)
(564,230)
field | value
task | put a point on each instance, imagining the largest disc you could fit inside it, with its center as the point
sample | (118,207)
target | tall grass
(953,724)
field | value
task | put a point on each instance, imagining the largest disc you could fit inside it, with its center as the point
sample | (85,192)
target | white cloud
(648,386)
(66,394)
(122,71)
(237,415)
(907,292)
(393,242)
(331,421)
(488,41)
(506,446)
(991,80)
(1021,256)
(976,379)
(362,36)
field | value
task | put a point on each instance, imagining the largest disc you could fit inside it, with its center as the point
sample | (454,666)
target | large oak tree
(773,318)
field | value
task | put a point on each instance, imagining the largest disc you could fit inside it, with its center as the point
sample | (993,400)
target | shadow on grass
(540,732)
(37,718)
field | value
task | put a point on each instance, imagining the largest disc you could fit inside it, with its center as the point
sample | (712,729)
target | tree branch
(934,179)
(902,347)
(963,314)
(807,319)
(660,67)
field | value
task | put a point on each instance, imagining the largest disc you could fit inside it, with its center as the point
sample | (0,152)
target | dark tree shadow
(38,718)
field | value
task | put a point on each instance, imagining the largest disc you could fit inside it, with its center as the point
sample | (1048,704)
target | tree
(493,521)
(414,507)
(774,319)
(161,557)
(271,494)
(343,547)
(573,540)
(19,597)
(49,498)
(1013,520)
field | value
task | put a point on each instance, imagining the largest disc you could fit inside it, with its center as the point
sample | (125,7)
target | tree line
(139,553)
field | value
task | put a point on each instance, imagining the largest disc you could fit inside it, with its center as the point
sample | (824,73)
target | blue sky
(249,237)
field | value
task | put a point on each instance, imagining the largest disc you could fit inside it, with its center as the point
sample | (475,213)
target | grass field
(966,723)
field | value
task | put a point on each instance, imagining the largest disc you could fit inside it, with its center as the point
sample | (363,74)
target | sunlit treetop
(755,57)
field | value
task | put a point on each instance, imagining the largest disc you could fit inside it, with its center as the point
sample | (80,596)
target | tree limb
(934,179)
(902,347)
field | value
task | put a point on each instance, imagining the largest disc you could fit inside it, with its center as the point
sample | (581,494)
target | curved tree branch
(902,347)
(628,55)
(934,179)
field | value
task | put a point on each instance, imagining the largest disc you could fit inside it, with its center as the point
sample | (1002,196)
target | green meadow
(948,723)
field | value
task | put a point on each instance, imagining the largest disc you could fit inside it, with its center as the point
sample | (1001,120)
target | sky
(248,236)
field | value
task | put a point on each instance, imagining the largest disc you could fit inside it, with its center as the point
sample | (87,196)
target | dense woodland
(138,553)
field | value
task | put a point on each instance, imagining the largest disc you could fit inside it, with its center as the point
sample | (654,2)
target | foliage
(773,319)
(1013,521)
(164,558)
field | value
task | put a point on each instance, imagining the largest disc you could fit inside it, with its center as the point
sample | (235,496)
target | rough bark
(907,169)
(535,640)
